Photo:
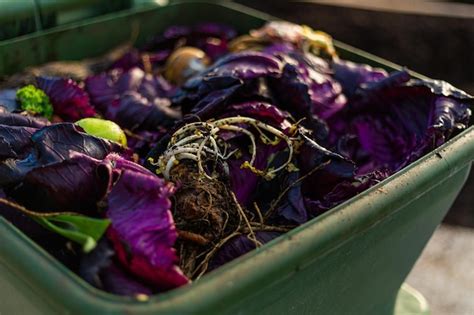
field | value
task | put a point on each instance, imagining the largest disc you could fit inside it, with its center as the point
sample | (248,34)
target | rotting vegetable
(144,170)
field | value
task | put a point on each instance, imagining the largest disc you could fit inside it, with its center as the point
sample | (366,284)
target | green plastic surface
(351,260)
(27,16)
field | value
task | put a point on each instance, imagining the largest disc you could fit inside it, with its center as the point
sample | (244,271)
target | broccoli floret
(34,101)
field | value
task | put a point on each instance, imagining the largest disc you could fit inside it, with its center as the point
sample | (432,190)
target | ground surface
(444,274)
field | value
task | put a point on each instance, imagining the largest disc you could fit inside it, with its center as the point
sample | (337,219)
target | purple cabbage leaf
(239,246)
(212,38)
(230,77)
(134,100)
(142,228)
(352,75)
(55,169)
(69,100)
(392,122)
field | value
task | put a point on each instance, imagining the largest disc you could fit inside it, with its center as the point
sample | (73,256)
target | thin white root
(199,158)
(200,142)
(249,134)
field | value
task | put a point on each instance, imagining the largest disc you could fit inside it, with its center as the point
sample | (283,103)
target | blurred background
(435,38)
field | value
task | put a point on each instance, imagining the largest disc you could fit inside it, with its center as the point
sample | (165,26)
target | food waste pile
(144,169)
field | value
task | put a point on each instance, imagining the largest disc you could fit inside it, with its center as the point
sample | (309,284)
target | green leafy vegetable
(81,229)
(35,101)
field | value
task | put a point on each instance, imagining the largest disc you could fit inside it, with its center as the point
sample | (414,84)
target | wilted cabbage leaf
(69,100)
(133,99)
(396,120)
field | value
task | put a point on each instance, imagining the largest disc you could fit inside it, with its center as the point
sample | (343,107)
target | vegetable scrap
(146,169)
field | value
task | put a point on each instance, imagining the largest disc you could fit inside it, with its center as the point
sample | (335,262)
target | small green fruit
(102,128)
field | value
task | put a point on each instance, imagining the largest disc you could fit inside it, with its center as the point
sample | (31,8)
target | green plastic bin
(28,16)
(350,260)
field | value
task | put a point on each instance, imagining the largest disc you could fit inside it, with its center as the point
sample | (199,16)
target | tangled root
(204,213)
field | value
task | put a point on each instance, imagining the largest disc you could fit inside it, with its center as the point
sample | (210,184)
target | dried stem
(259,213)
(296,182)
(20,208)
(193,237)
(247,222)
(205,263)
(133,135)
(267,228)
